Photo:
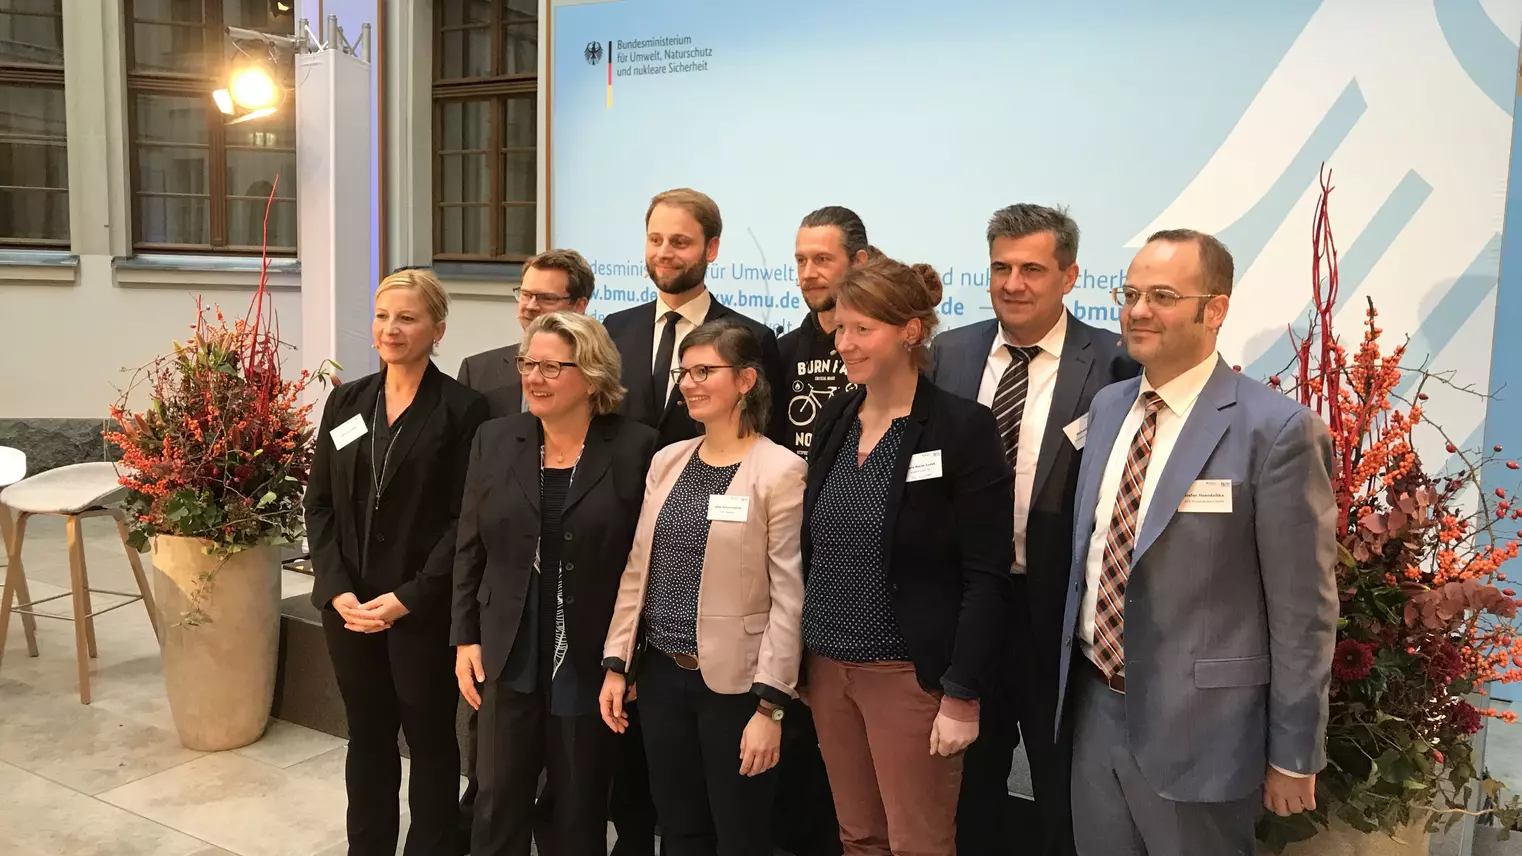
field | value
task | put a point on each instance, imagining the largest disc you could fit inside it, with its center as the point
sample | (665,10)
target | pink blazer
(750,601)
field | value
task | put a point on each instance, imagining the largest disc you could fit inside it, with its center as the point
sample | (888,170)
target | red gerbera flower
(1352,660)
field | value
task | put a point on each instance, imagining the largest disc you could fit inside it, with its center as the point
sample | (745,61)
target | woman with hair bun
(899,638)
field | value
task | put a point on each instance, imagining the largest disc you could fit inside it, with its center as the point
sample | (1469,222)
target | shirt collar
(1179,394)
(694,310)
(1051,343)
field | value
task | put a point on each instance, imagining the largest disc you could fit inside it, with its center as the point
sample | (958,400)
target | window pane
(251,173)
(261,15)
(31,39)
(458,12)
(466,125)
(520,48)
(171,118)
(465,178)
(467,53)
(520,10)
(165,47)
(32,111)
(466,229)
(519,132)
(189,11)
(35,215)
(518,230)
(518,176)
(245,223)
(173,220)
(171,170)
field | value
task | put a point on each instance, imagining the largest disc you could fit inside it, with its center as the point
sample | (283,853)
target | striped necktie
(1109,614)
(1009,397)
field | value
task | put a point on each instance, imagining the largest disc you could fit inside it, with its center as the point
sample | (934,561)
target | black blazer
(494,374)
(499,534)
(412,531)
(633,331)
(1092,359)
(947,541)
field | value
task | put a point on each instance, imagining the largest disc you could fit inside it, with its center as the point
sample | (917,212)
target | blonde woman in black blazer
(381,510)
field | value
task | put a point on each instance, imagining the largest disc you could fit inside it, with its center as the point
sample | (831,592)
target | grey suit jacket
(1230,617)
(494,375)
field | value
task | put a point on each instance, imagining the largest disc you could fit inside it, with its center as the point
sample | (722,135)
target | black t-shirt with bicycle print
(813,372)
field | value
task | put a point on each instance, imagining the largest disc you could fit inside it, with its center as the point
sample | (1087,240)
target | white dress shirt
(1038,406)
(1179,396)
(693,313)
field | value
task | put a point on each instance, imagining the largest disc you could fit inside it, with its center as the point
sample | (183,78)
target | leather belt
(686,661)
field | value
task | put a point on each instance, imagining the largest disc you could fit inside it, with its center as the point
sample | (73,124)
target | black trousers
(517,739)
(630,804)
(402,678)
(803,818)
(692,742)
(1020,701)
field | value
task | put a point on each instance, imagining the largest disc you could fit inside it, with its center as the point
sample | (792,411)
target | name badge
(1078,431)
(725,507)
(348,432)
(1208,496)
(925,465)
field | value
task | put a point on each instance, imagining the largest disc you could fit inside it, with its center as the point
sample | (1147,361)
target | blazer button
(380,536)
(570,566)
(570,599)
(893,588)
(568,535)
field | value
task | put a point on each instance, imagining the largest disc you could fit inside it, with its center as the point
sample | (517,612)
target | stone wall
(50,443)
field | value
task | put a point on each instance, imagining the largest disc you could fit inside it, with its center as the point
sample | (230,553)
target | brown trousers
(891,795)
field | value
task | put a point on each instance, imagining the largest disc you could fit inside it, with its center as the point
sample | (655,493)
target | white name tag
(731,508)
(348,432)
(1208,496)
(1078,431)
(925,465)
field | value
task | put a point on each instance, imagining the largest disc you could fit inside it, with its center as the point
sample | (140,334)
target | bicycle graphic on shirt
(802,408)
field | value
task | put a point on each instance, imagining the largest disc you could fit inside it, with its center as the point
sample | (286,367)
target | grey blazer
(1230,617)
(495,375)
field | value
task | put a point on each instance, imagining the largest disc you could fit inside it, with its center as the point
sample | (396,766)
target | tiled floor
(111,778)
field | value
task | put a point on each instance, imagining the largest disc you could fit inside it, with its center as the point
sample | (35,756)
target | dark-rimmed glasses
(549,368)
(539,297)
(1161,297)
(699,373)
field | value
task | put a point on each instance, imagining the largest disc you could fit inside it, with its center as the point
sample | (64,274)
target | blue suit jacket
(1230,617)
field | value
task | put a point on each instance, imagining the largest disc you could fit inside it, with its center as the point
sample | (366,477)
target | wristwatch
(769,710)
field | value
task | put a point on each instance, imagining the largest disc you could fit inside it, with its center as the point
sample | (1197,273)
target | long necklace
(378,477)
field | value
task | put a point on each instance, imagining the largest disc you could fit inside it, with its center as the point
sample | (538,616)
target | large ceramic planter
(220,672)
(1339,839)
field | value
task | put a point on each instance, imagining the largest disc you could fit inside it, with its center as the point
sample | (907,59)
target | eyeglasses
(539,297)
(699,373)
(549,368)
(1160,296)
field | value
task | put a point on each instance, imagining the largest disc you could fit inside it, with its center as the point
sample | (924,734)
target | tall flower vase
(219,667)
(1340,839)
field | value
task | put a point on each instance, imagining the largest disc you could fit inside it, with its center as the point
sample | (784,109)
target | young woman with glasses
(713,589)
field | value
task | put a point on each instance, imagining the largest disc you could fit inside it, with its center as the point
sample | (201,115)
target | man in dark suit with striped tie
(1037,367)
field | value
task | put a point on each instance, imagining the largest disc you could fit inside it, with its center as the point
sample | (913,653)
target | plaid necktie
(1109,615)
(1009,398)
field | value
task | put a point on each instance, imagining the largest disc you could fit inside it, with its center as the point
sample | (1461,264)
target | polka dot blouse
(676,557)
(847,614)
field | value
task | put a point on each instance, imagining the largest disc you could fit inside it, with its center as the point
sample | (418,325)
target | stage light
(224,101)
(252,88)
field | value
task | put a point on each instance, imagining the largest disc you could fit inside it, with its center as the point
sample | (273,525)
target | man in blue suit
(1199,629)
(1037,367)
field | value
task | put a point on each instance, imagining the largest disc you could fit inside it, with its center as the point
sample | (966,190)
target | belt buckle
(685,661)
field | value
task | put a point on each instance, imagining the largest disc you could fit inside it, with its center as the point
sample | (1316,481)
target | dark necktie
(660,373)
(1009,398)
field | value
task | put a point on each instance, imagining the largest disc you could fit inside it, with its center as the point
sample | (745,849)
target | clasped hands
(371,617)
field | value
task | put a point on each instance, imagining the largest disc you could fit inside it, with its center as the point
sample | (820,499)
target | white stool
(12,470)
(73,492)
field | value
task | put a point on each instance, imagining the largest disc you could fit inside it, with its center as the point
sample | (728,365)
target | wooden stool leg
(137,571)
(84,576)
(83,646)
(14,587)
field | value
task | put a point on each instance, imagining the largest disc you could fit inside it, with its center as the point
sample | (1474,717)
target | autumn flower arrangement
(222,450)
(1426,622)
